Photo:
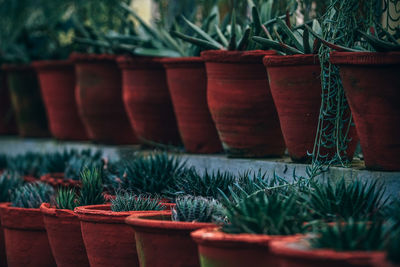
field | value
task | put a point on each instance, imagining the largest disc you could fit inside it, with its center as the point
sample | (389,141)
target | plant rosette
(64,234)
(108,240)
(57,83)
(25,237)
(241,105)
(220,249)
(371,84)
(187,83)
(147,100)
(98,96)
(57,180)
(298,253)
(296,90)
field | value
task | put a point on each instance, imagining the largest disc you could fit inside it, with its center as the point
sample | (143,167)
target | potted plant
(165,238)
(25,235)
(27,165)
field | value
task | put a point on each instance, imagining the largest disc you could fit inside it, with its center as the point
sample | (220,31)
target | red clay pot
(26,100)
(99,98)
(108,240)
(57,180)
(298,254)
(241,105)
(25,237)
(3,257)
(162,242)
(296,89)
(57,82)
(187,83)
(147,100)
(65,238)
(372,88)
(7,119)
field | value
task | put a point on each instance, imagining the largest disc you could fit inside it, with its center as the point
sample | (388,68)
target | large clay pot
(241,105)
(187,83)
(26,100)
(57,82)
(291,253)
(296,89)
(108,240)
(3,257)
(372,89)
(25,237)
(147,100)
(65,238)
(99,98)
(7,119)
(161,242)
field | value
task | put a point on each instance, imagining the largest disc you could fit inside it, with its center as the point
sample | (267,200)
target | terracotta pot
(298,254)
(147,100)
(26,100)
(99,98)
(160,241)
(241,105)
(30,179)
(187,83)
(7,119)
(296,89)
(65,238)
(372,89)
(3,257)
(108,240)
(220,249)
(57,180)
(25,237)
(57,82)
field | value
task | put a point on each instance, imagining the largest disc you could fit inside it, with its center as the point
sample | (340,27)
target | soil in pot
(26,100)
(147,100)
(372,87)
(161,242)
(25,237)
(7,119)
(296,89)
(99,99)
(57,82)
(64,235)
(241,104)
(108,240)
(187,83)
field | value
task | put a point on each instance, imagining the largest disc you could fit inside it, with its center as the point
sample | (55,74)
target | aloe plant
(197,209)
(8,183)
(128,201)
(31,195)
(80,161)
(28,164)
(56,162)
(66,199)
(91,192)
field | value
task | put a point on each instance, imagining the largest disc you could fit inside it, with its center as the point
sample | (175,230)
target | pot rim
(183,62)
(139,62)
(21,218)
(56,65)
(52,211)
(17,67)
(291,60)
(83,57)
(365,58)
(225,56)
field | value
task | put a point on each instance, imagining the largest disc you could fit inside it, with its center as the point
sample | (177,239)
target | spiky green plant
(128,201)
(8,183)
(26,164)
(56,162)
(197,209)
(80,161)
(91,192)
(31,195)
(66,199)
(3,161)
(357,200)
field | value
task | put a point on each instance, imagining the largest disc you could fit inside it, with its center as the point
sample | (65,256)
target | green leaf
(296,40)
(201,33)
(221,36)
(244,40)
(232,41)
(257,21)
(276,45)
(151,52)
(379,45)
(306,43)
(196,41)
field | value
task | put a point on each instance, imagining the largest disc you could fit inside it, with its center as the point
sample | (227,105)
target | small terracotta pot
(187,83)
(147,100)
(160,241)
(57,180)
(241,105)
(3,257)
(298,254)
(108,240)
(373,91)
(220,249)
(99,98)
(30,179)
(57,82)
(65,238)
(25,237)
(7,119)
(296,89)
(26,100)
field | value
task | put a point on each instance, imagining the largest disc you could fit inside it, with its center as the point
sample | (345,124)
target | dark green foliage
(66,199)
(357,200)
(56,162)
(31,195)
(351,235)
(28,164)
(80,161)
(127,201)
(8,183)
(92,187)
(197,209)
(3,162)
(393,248)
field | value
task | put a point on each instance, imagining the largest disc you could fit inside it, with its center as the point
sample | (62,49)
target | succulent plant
(56,162)
(91,192)
(66,199)
(8,183)
(80,161)
(31,195)
(3,161)
(197,209)
(393,247)
(128,201)
(28,164)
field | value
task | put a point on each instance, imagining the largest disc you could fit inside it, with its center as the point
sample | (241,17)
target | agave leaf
(201,33)
(296,40)
(379,45)
(156,52)
(207,23)
(306,43)
(243,42)
(196,41)
(256,21)
(316,27)
(172,43)
(221,36)
(232,41)
(276,45)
